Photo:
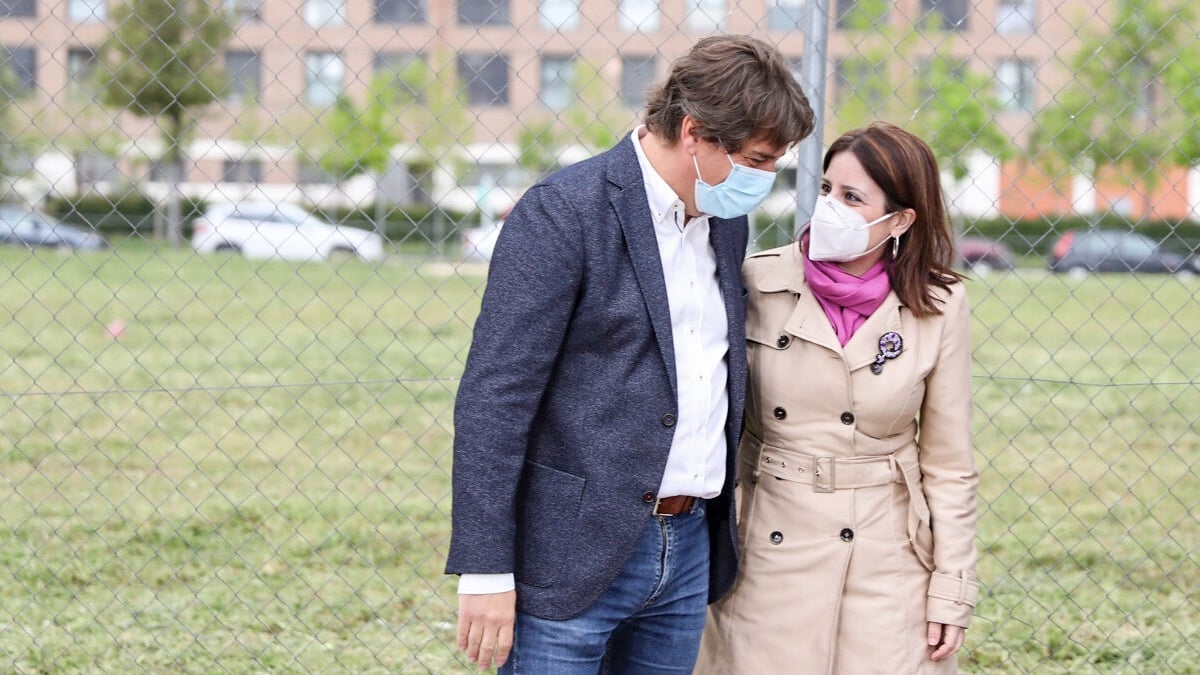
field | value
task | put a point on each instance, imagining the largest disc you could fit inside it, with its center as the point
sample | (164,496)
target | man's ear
(689,134)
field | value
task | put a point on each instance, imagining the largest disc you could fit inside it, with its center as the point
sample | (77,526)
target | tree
(1132,103)
(162,61)
(433,112)
(360,139)
(934,95)
(593,120)
(8,137)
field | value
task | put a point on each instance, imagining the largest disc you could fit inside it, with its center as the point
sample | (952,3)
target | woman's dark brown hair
(737,89)
(904,167)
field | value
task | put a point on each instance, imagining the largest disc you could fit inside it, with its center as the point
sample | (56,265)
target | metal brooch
(890,346)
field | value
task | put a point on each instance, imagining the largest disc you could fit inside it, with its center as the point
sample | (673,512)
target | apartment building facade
(288,61)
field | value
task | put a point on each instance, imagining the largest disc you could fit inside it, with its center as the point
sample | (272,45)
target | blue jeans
(648,621)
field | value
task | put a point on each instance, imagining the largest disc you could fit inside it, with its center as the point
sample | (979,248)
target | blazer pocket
(549,502)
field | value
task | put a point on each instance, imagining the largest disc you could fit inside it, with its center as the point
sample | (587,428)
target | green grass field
(255,476)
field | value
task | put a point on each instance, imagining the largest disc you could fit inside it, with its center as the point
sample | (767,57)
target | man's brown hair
(737,89)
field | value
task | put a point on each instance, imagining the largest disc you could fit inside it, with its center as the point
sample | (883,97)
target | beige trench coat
(837,492)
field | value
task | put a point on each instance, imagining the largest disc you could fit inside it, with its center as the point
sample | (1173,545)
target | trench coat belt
(829,474)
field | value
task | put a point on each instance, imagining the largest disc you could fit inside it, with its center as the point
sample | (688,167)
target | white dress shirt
(700,337)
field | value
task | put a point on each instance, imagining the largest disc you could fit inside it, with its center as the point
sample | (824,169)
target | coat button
(776,537)
(668,420)
(847,534)
(783,341)
(847,418)
(648,498)
(780,413)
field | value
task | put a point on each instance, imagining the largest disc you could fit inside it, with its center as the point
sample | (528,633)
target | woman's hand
(944,640)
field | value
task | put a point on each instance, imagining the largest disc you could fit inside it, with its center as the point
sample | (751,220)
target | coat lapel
(807,320)
(627,194)
(864,344)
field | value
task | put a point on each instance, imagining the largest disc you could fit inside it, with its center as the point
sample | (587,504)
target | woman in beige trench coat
(856,484)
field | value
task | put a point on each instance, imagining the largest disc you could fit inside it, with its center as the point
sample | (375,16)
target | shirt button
(776,538)
(668,420)
(847,534)
(648,498)
(780,413)
(783,342)
(847,418)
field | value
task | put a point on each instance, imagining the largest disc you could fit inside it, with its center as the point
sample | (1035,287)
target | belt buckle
(824,471)
(655,511)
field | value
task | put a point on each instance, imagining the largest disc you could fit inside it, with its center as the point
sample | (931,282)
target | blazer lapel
(729,266)
(627,194)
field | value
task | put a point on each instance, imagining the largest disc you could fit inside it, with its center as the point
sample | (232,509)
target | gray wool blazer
(564,414)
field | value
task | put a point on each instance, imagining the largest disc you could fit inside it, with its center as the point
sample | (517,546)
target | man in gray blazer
(597,419)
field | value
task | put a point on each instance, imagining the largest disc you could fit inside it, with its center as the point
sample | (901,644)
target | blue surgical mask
(739,194)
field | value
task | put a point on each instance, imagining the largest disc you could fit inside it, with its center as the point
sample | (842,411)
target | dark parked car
(23,227)
(982,255)
(1079,252)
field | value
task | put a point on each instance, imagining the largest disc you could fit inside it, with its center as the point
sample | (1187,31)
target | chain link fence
(250,240)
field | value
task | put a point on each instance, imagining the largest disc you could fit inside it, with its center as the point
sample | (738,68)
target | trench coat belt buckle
(824,474)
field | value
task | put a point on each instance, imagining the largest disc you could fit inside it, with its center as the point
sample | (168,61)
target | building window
(637,76)
(1015,17)
(84,11)
(785,14)
(319,13)
(639,16)
(18,8)
(244,10)
(242,171)
(323,77)
(485,78)
(399,11)
(81,68)
(559,14)
(483,12)
(396,66)
(1014,85)
(558,75)
(953,12)
(21,62)
(706,16)
(245,77)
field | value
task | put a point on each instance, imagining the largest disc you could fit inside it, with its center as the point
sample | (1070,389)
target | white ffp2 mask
(838,233)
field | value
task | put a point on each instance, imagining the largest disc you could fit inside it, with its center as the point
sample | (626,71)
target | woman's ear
(904,219)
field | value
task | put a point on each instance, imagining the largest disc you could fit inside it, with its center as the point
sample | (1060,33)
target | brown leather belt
(673,506)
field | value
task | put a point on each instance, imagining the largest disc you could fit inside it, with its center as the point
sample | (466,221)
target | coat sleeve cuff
(951,599)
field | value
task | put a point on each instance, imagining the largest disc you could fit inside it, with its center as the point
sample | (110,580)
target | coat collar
(784,273)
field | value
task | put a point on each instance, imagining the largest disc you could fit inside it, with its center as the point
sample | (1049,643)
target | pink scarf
(847,300)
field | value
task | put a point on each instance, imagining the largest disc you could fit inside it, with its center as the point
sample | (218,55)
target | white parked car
(479,242)
(267,230)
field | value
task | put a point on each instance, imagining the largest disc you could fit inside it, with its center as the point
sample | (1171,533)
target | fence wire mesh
(251,239)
